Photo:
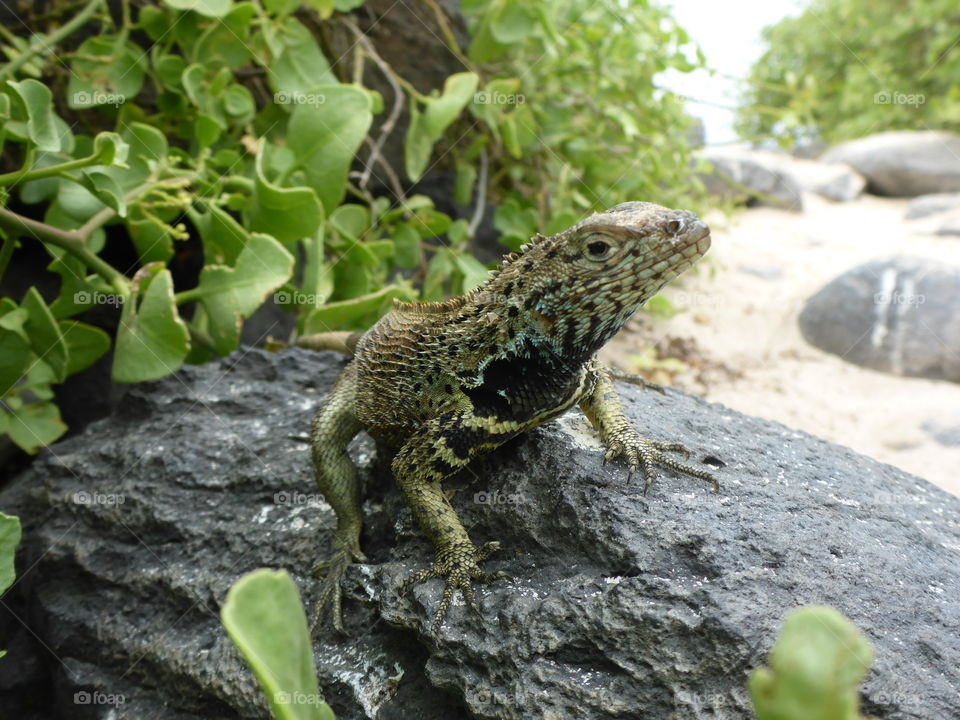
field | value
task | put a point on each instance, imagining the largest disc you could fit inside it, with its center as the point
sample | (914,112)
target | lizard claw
(643,454)
(458,565)
(332,592)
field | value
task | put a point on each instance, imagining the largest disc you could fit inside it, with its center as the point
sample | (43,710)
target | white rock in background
(926,205)
(777,179)
(904,163)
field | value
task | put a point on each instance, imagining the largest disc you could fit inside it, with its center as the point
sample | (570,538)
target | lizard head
(584,283)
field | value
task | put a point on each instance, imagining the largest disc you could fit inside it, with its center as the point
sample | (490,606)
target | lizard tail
(341,342)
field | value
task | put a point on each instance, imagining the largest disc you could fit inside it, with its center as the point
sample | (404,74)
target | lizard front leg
(602,407)
(441,448)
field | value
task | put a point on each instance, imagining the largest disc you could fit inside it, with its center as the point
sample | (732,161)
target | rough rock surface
(932,204)
(900,315)
(620,605)
(904,162)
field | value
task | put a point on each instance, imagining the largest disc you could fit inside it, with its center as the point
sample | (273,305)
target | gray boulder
(900,315)
(904,163)
(835,181)
(933,204)
(950,225)
(621,605)
(749,176)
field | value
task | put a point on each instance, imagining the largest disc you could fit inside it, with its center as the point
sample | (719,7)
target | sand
(743,320)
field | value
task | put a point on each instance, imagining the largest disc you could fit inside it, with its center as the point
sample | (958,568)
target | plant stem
(6,252)
(22,175)
(65,30)
(70,240)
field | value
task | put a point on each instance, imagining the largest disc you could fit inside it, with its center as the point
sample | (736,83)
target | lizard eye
(599,250)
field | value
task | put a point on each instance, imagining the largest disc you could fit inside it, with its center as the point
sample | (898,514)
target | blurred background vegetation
(177,165)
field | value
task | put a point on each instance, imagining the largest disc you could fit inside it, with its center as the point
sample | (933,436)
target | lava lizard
(446,382)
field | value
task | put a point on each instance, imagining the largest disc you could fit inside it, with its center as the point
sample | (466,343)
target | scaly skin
(447,382)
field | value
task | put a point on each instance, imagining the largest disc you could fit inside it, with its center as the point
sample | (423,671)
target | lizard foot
(331,593)
(643,454)
(458,565)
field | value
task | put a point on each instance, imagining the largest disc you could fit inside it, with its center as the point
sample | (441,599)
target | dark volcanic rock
(900,315)
(620,605)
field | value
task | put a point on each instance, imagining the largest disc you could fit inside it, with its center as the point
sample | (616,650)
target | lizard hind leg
(334,426)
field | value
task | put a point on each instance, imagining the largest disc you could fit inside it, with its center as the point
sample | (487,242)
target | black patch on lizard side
(461,440)
(530,382)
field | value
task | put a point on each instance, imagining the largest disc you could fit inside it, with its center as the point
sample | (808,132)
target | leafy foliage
(264,617)
(816,666)
(9,539)
(226,127)
(847,68)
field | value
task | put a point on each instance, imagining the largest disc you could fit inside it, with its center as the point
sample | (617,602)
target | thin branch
(69,240)
(481,202)
(390,122)
(43,44)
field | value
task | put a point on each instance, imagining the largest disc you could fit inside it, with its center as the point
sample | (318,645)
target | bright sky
(729,35)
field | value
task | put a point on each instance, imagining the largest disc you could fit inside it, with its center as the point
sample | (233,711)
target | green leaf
(35,425)
(152,340)
(347,5)
(153,242)
(463,183)
(38,103)
(299,67)
(318,277)
(289,214)
(223,237)
(110,149)
(428,126)
(15,357)
(74,294)
(406,242)
(518,224)
(816,666)
(86,344)
(324,138)
(227,41)
(440,268)
(106,70)
(209,8)
(229,294)
(45,334)
(239,103)
(147,147)
(9,539)
(264,617)
(474,273)
(350,220)
(341,314)
(514,21)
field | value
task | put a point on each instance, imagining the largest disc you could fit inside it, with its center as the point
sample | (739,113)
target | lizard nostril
(674,226)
